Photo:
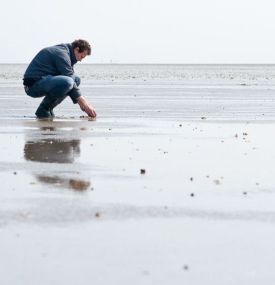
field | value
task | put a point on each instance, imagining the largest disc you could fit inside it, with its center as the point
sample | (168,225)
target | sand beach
(173,183)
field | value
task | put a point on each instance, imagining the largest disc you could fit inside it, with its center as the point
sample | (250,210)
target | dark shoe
(43,112)
(54,103)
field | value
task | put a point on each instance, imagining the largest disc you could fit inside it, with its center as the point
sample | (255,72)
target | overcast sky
(143,31)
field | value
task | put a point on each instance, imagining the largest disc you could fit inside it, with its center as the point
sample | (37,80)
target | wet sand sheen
(73,195)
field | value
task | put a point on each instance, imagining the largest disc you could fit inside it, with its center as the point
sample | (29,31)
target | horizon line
(148,63)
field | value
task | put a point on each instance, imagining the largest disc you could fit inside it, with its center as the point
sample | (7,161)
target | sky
(142,31)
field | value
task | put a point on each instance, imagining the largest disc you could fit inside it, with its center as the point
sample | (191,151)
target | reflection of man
(75,184)
(49,150)
(55,151)
(51,74)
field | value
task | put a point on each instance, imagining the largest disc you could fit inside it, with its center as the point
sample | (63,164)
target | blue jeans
(56,87)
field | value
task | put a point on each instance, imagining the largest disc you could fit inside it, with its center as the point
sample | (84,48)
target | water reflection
(75,184)
(52,150)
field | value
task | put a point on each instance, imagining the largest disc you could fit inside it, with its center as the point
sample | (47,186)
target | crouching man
(51,75)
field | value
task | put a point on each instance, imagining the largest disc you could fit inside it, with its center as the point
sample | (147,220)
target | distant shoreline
(175,64)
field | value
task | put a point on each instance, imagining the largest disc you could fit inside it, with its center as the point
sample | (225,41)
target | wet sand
(76,207)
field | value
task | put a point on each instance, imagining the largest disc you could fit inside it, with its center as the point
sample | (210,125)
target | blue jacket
(54,60)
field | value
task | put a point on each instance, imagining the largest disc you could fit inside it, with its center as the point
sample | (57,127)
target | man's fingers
(91,112)
(86,107)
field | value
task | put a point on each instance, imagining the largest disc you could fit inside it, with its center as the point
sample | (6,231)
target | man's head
(81,49)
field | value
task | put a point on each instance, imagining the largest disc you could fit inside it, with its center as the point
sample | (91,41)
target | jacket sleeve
(63,64)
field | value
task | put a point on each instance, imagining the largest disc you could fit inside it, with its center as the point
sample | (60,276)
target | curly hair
(82,45)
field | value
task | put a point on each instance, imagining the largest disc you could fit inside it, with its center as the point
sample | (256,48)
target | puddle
(43,154)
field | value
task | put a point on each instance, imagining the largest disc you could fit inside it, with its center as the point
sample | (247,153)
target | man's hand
(86,107)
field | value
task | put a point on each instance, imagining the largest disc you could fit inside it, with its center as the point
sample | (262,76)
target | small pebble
(142,171)
(185,267)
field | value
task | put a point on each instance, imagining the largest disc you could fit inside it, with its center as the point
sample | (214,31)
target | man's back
(54,60)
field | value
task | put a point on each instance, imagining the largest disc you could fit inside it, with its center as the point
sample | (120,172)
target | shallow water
(191,135)
(73,192)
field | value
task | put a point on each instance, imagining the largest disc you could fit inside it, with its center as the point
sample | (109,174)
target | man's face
(80,55)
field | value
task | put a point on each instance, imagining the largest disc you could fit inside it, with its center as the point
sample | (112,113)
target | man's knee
(68,83)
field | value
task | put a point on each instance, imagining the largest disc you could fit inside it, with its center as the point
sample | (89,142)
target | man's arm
(86,107)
